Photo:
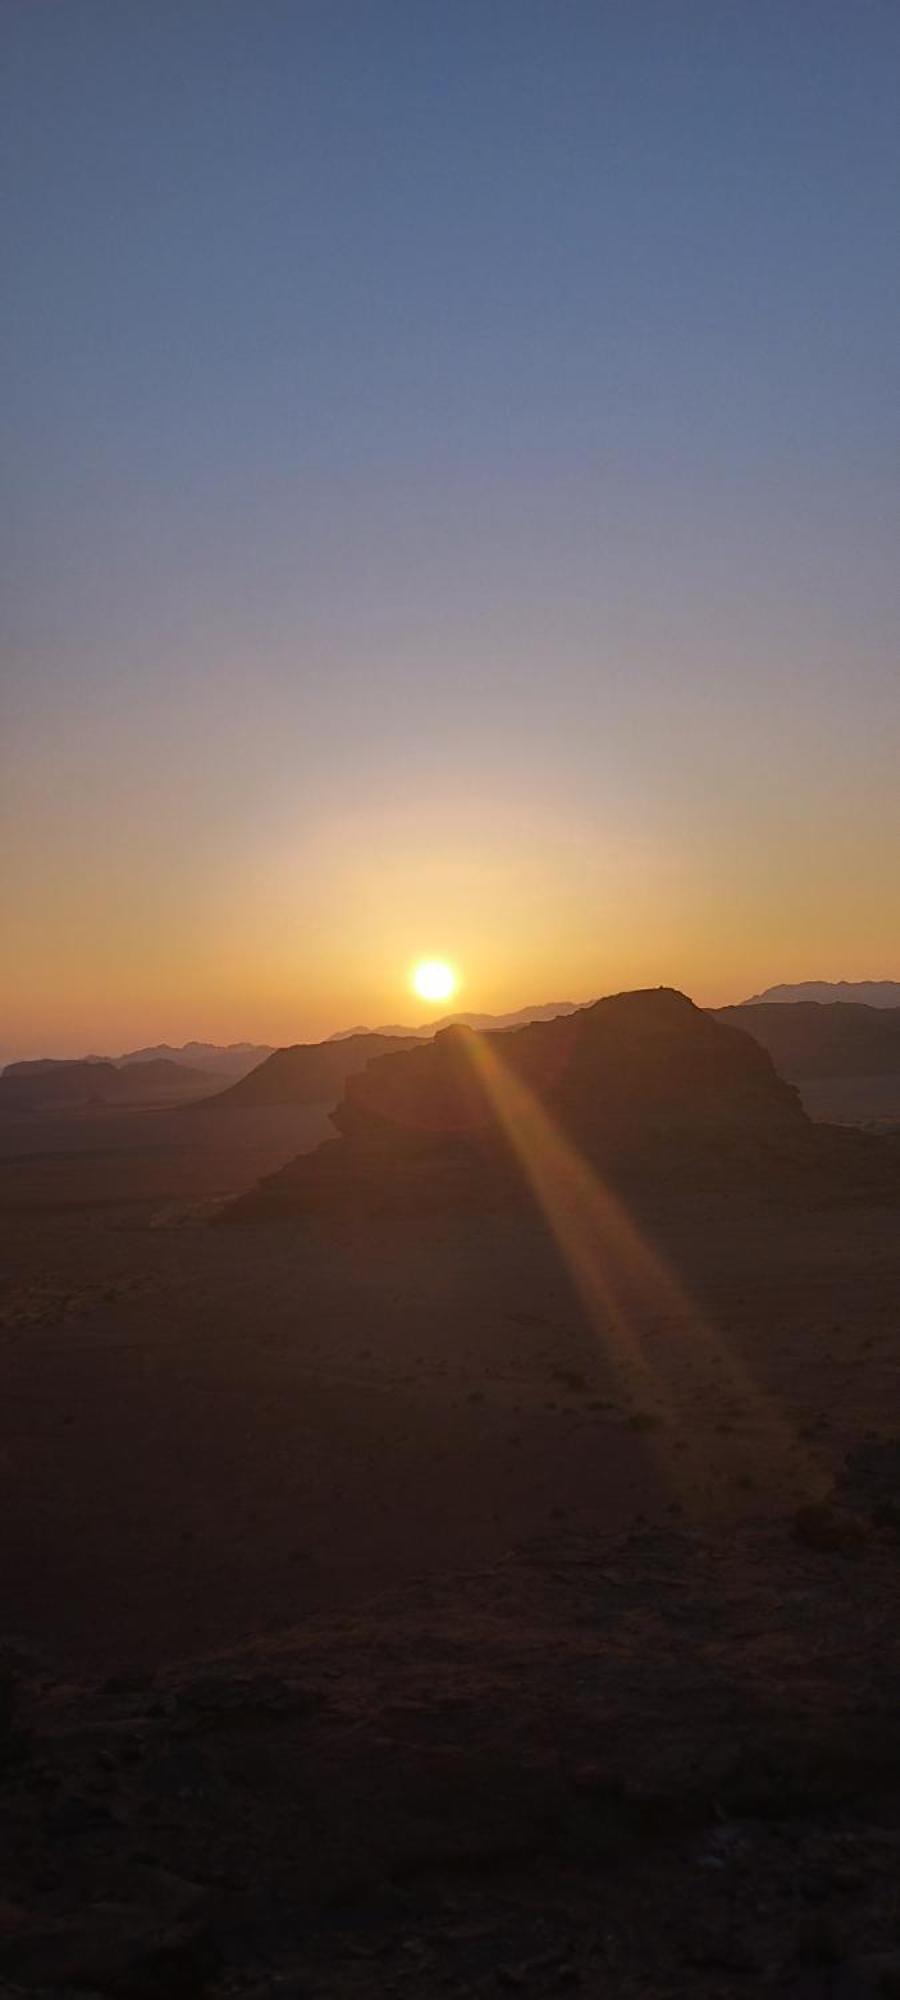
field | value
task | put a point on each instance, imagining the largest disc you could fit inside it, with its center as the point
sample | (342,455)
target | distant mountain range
(520,1019)
(817,1030)
(235,1059)
(205,1058)
(807,1039)
(868,992)
(95,1081)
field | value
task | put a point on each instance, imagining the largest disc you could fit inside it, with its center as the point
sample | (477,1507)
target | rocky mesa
(641,1084)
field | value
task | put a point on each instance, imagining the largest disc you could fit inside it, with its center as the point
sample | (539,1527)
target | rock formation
(643,1085)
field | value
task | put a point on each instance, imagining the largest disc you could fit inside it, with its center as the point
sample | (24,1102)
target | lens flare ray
(615,1272)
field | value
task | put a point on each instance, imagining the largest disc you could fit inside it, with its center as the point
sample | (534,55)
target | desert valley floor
(377,1620)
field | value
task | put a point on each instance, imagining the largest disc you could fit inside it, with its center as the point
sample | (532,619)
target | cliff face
(307,1073)
(641,1083)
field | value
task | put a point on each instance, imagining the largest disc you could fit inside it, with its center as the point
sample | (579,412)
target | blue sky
(451,480)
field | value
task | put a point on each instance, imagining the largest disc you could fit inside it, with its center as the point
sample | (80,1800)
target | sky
(451,500)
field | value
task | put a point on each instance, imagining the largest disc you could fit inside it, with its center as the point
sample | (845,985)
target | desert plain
(384,1611)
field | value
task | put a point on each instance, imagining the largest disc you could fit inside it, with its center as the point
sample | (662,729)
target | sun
(433,979)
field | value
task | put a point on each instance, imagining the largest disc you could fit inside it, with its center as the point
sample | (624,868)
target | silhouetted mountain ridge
(548,1010)
(45,1084)
(315,1072)
(307,1073)
(640,1084)
(233,1059)
(867,992)
(223,1063)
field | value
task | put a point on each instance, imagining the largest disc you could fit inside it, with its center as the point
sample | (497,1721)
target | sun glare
(432,979)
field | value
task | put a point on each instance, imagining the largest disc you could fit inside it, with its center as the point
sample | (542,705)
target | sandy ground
(421,1515)
(205,1432)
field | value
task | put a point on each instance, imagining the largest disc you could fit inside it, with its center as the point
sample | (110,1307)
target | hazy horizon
(415,1019)
(452,508)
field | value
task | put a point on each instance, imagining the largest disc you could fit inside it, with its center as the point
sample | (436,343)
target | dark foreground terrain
(379,1619)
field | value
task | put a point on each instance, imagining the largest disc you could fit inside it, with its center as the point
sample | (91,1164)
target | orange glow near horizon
(275,928)
(413,557)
